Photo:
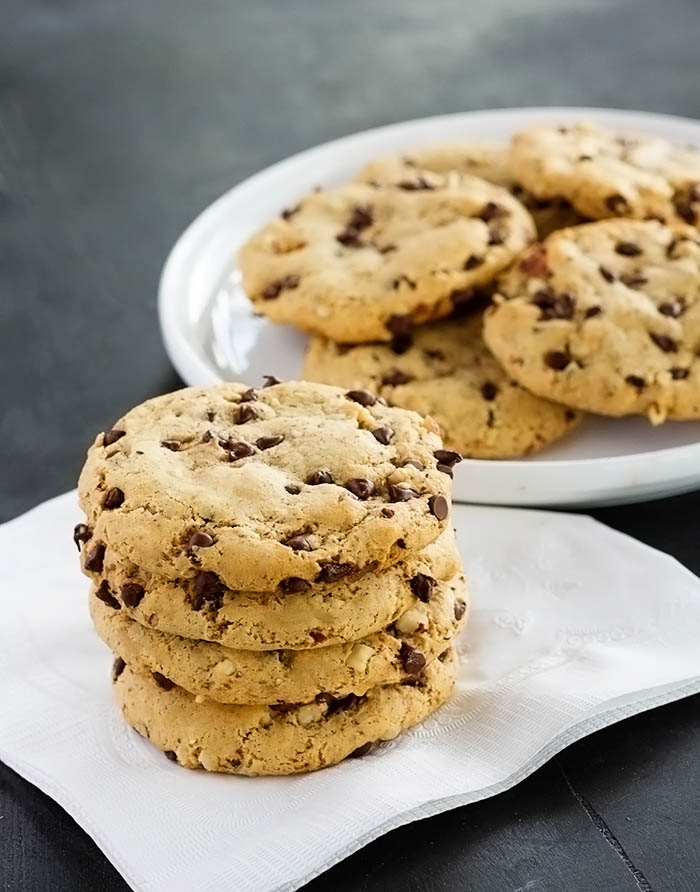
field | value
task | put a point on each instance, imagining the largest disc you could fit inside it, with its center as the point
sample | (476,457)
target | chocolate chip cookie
(606,317)
(287,738)
(367,261)
(286,486)
(447,372)
(604,173)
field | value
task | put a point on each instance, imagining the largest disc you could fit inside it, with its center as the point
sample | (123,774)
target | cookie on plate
(289,485)
(292,617)
(282,739)
(605,317)
(419,634)
(448,373)
(604,173)
(490,161)
(365,262)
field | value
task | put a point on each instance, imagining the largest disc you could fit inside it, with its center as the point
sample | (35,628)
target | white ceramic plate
(211,334)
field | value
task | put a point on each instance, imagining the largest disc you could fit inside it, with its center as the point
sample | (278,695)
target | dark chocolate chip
(362,750)
(94,559)
(461,296)
(394,378)
(334,570)
(664,342)
(674,308)
(617,204)
(459,609)
(557,359)
(445,469)
(399,493)
(400,343)
(294,584)
(593,311)
(489,391)
(171,755)
(628,249)
(606,274)
(81,533)
(208,589)
(132,594)
(396,283)
(111,436)
(288,213)
(383,435)
(172,445)
(554,306)
(211,414)
(447,457)
(208,435)
(269,442)
(439,507)
(633,280)
(249,395)
(491,211)
(238,449)
(274,289)
(318,636)
(412,660)
(686,201)
(245,413)
(298,542)
(293,489)
(496,236)
(104,593)
(270,381)
(423,586)
(472,262)
(678,374)
(118,666)
(387,512)
(417,185)
(360,220)
(360,487)
(414,463)
(363,397)
(323,475)
(400,325)
(162,681)
(636,381)
(114,498)
(200,539)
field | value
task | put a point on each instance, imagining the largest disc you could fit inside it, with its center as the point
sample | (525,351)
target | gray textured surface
(119,121)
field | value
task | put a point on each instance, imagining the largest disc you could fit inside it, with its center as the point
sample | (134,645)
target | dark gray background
(119,122)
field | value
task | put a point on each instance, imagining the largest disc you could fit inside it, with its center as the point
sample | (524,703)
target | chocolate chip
(383,435)
(245,413)
(472,262)
(417,185)
(447,457)
(687,203)
(269,442)
(211,414)
(554,306)
(400,343)
(633,280)
(318,636)
(238,449)
(288,213)
(459,608)
(207,436)
(249,395)
(491,211)
(674,308)
(172,445)
(114,498)
(104,593)
(298,542)
(617,204)
(162,681)
(386,249)
(399,493)
(664,342)
(438,507)
(331,571)
(636,381)
(360,220)
(334,704)
(461,296)
(360,487)
(414,463)
(81,533)
(94,559)
(200,539)
(423,586)
(171,755)
(628,249)
(132,594)
(400,325)
(275,288)
(363,397)
(208,589)
(445,469)
(270,381)
(496,236)
(362,750)
(606,274)
(323,475)
(118,666)
(593,311)
(293,489)
(585,157)
(396,283)
(557,359)
(387,512)
(489,391)
(569,415)
(111,436)
(535,263)
(678,374)
(294,584)
(412,660)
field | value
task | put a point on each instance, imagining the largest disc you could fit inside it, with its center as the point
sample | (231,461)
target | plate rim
(190,366)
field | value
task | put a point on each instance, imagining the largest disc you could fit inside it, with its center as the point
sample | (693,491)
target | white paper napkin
(573,627)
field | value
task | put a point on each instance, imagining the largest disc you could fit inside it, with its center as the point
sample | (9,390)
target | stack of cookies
(466,281)
(275,572)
